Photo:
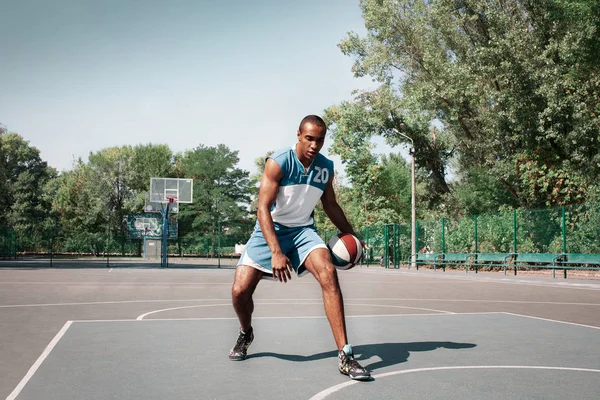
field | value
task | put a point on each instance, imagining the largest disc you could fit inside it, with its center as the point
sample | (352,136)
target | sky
(78,76)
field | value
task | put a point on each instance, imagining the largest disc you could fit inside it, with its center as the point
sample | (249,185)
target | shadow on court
(469,355)
(390,353)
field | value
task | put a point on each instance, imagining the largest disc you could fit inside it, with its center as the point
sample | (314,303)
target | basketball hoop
(172,199)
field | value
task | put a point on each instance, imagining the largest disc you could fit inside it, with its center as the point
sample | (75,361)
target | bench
(553,261)
(493,259)
(579,261)
(456,259)
(548,260)
(426,258)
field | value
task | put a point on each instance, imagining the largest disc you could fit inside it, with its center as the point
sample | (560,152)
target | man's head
(311,137)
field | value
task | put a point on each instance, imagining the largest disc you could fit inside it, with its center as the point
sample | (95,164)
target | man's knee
(239,291)
(244,284)
(323,270)
(328,277)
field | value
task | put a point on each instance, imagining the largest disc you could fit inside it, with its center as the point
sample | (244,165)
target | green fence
(108,247)
(207,246)
(567,229)
(559,230)
(389,244)
(8,244)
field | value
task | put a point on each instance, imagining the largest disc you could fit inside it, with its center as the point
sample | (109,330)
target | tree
(379,113)
(255,179)
(395,184)
(26,175)
(513,86)
(477,192)
(111,174)
(151,161)
(82,209)
(353,124)
(4,201)
(221,194)
(95,197)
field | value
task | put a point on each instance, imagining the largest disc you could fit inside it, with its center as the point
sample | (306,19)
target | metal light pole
(219,239)
(165,244)
(413,239)
(218,230)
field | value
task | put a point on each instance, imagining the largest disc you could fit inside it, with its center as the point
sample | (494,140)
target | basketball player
(285,238)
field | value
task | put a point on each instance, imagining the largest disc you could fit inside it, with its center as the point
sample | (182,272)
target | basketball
(346,250)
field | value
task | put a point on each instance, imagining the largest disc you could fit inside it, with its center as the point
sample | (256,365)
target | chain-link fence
(8,244)
(71,247)
(567,229)
(388,244)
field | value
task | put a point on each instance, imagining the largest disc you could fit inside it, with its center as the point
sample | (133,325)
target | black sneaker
(349,366)
(238,353)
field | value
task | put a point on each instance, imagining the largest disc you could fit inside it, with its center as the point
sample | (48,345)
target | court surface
(150,333)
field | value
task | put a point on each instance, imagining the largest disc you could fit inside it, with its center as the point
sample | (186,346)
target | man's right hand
(282,267)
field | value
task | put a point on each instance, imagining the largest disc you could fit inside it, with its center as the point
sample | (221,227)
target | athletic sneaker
(238,352)
(349,366)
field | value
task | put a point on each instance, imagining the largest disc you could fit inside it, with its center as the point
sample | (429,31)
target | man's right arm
(269,187)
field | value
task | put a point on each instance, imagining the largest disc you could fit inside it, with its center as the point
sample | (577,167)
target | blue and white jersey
(299,190)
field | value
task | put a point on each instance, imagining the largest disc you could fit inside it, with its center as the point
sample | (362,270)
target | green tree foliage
(97,195)
(221,194)
(4,201)
(150,161)
(395,184)
(380,113)
(514,85)
(111,175)
(583,228)
(344,199)
(259,164)
(352,128)
(25,209)
(478,192)
(82,209)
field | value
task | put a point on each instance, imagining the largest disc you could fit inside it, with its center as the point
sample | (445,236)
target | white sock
(348,349)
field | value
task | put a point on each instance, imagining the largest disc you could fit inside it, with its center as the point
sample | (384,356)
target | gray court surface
(411,356)
(165,334)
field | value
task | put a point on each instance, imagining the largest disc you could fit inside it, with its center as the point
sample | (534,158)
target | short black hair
(313,119)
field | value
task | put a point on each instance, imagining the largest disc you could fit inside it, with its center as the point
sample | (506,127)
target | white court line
(280,317)
(39,361)
(396,306)
(142,316)
(462,279)
(162,283)
(552,320)
(288,300)
(121,283)
(323,394)
(89,303)
(483,279)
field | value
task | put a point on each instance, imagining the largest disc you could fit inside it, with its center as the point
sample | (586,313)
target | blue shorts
(296,243)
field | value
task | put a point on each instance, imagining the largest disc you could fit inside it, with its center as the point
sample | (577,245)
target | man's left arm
(334,211)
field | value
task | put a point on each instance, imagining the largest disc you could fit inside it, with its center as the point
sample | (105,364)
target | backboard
(149,226)
(158,207)
(163,189)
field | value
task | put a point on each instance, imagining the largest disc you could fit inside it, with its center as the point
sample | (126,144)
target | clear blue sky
(81,75)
